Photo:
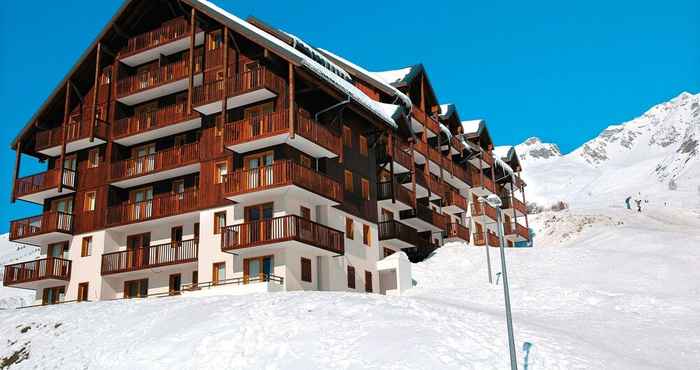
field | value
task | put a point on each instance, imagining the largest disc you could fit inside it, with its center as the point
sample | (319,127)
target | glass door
(259,169)
(141,203)
(144,159)
(64,212)
(257,269)
(257,218)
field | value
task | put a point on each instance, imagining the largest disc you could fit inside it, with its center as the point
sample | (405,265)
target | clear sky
(560,70)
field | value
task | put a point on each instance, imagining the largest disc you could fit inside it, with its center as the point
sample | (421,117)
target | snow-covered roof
(446,131)
(501,163)
(472,127)
(447,110)
(369,77)
(503,151)
(399,76)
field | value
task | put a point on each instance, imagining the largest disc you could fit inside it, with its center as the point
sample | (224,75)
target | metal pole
(506,294)
(486,244)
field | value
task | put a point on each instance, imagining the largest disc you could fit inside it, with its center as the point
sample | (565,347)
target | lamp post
(494,201)
(486,244)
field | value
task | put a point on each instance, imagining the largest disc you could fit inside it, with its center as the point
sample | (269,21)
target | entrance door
(144,159)
(136,288)
(82,292)
(53,295)
(257,269)
(64,212)
(175,284)
(218,272)
(141,203)
(259,169)
(255,217)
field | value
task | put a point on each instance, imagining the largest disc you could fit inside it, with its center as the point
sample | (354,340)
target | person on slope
(639,205)
(627,201)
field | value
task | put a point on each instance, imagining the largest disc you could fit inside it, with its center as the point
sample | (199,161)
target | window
(349,228)
(90,198)
(347,136)
(93,158)
(82,292)
(348,181)
(221,172)
(219,127)
(219,221)
(351,277)
(179,189)
(388,252)
(86,247)
(305,212)
(305,269)
(216,39)
(219,272)
(136,288)
(365,189)
(305,161)
(363,145)
(368,282)
(366,237)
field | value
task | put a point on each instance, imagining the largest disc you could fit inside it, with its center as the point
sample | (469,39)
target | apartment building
(190,149)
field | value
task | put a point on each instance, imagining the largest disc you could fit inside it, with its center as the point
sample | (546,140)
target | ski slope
(605,289)
(11,252)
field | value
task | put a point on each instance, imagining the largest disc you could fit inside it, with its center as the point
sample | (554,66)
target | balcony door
(145,116)
(64,211)
(141,201)
(258,170)
(257,220)
(138,252)
(257,269)
(259,125)
(53,295)
(58,250)
(144,159)
(70,163)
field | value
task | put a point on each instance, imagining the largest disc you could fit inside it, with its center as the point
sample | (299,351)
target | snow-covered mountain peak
(533,149)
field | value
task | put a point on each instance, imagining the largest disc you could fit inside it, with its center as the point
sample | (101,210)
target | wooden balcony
(171,37)
(512,206)
(480,239)
(168,254)
(157,82)
(423,218)
(402,195)
(485,160)
(483,213)
(148,126)
(242,89)
(398,152)
(282,178)
(516,232)
(482,185)
(77,132)
(280,232)
(47,227)
(176,161)
(397,234)
(454,203)
(37,188)
(421,118)
(460,177)
(273,129)
(457,233)
(30,274)
(160,206)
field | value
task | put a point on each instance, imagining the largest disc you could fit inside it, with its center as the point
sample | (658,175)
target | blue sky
(559,70)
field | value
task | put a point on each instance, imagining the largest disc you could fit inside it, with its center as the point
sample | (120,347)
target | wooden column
(413,175)
(493,172)
(95,89)
(66,115)
(392,151)
(527,224)
(224,102)
(291,105)
(193,21)
(18,159)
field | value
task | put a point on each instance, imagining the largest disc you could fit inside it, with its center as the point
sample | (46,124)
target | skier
(639,205)
(627,201)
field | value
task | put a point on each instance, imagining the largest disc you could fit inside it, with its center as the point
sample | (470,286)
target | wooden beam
(292,85)
(66,115)
(77,93)
(193,20)
(18,158)
(95,89)
(108,51)
(119,31)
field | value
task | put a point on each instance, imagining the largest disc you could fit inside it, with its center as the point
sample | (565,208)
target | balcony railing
(483,209)
(399,152)
(396,230)
(482,238)
(426,214)
(44,181)
(40,269)
(153,256)
(512,229)
(159,161)
(479,180)
(259,78)
(401,194)
(158,76)
(282,173)
(436,186)
(168,32)
(453,198)
(428,121)
(281,229)
(160,206)
(276,123)
(76,130)
(146,121)
(461,173)
(47,222)
(515,203)
(455,230)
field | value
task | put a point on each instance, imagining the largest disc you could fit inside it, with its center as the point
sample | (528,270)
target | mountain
(11,252)
(655,157)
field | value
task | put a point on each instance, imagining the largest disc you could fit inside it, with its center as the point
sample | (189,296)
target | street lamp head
(494,201)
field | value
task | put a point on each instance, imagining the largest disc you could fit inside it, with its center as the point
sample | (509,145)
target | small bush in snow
(559,206)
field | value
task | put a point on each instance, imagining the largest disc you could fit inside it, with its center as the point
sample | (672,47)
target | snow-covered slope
(11,252)
(621,292)
(654,157)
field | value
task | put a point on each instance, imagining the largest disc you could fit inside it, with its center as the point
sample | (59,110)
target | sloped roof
(473,127)
(399,77)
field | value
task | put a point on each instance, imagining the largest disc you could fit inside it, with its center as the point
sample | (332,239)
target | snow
(397,76)
(445,131)
(10,253)
(329,71)
(502,151)
(446,110)
(505,166)
(405,100)
(472,126)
